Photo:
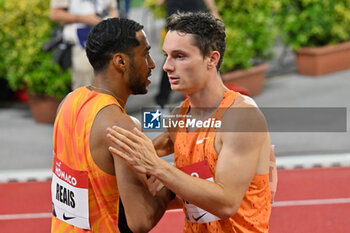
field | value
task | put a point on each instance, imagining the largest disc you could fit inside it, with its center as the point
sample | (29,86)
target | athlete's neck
(114,89)
(208,97)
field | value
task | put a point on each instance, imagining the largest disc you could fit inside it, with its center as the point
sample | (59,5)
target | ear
(213,59)
(119,61)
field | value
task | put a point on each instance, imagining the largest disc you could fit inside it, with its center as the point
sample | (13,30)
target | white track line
(329,201)
(316,160)
(311,202)
(284,162)
(25,175)
(276,204)
(24,216)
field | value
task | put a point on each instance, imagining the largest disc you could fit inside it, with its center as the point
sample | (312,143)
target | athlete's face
(185,65)
(141,65)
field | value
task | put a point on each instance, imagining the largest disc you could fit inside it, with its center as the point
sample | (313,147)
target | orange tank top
(71,146)
(254,212)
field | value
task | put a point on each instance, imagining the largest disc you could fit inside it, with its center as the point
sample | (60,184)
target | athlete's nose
(168,67)
(151,63)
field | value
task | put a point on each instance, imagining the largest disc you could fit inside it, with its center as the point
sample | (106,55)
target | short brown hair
(208,32)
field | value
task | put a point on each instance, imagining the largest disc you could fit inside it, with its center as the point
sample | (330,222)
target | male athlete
(88,182)
(221,175)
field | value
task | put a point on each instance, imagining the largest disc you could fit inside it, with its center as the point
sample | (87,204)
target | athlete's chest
(190,148)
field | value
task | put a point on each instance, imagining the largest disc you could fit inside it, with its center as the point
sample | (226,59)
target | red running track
(307,200)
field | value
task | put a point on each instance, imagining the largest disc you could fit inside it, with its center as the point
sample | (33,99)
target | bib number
(192,212)
(70,195)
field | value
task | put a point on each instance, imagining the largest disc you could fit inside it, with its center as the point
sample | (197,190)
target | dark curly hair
(208,32)
(109,37)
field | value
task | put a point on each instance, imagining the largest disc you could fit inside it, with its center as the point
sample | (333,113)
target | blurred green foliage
(137,3)
(312,23)
(25,26)
(250,32)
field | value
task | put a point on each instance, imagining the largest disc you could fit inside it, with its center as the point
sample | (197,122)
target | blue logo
(151,120)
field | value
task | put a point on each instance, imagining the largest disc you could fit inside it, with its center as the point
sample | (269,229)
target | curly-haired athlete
(89,185)
(222,176)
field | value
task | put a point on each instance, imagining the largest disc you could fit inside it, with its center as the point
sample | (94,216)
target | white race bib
(70,195)
(194,213)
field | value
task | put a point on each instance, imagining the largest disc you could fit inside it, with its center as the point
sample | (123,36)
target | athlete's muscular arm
(142,210)
(163,144)
(241,155)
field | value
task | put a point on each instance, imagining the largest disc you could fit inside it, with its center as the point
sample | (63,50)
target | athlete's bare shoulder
(244,115)
(244,101)
(99,143)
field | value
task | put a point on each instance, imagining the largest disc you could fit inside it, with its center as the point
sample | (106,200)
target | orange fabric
(254,212)
(71,145)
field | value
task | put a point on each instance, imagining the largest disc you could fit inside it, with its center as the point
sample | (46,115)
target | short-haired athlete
(88,182)
(222,177)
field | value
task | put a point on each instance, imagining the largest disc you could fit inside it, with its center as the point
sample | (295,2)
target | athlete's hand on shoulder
(135,148)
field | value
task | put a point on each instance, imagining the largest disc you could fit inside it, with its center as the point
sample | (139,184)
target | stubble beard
(135,85)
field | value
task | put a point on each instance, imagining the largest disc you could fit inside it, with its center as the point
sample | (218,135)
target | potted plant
(318,32)
(25,28)
(250,38)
